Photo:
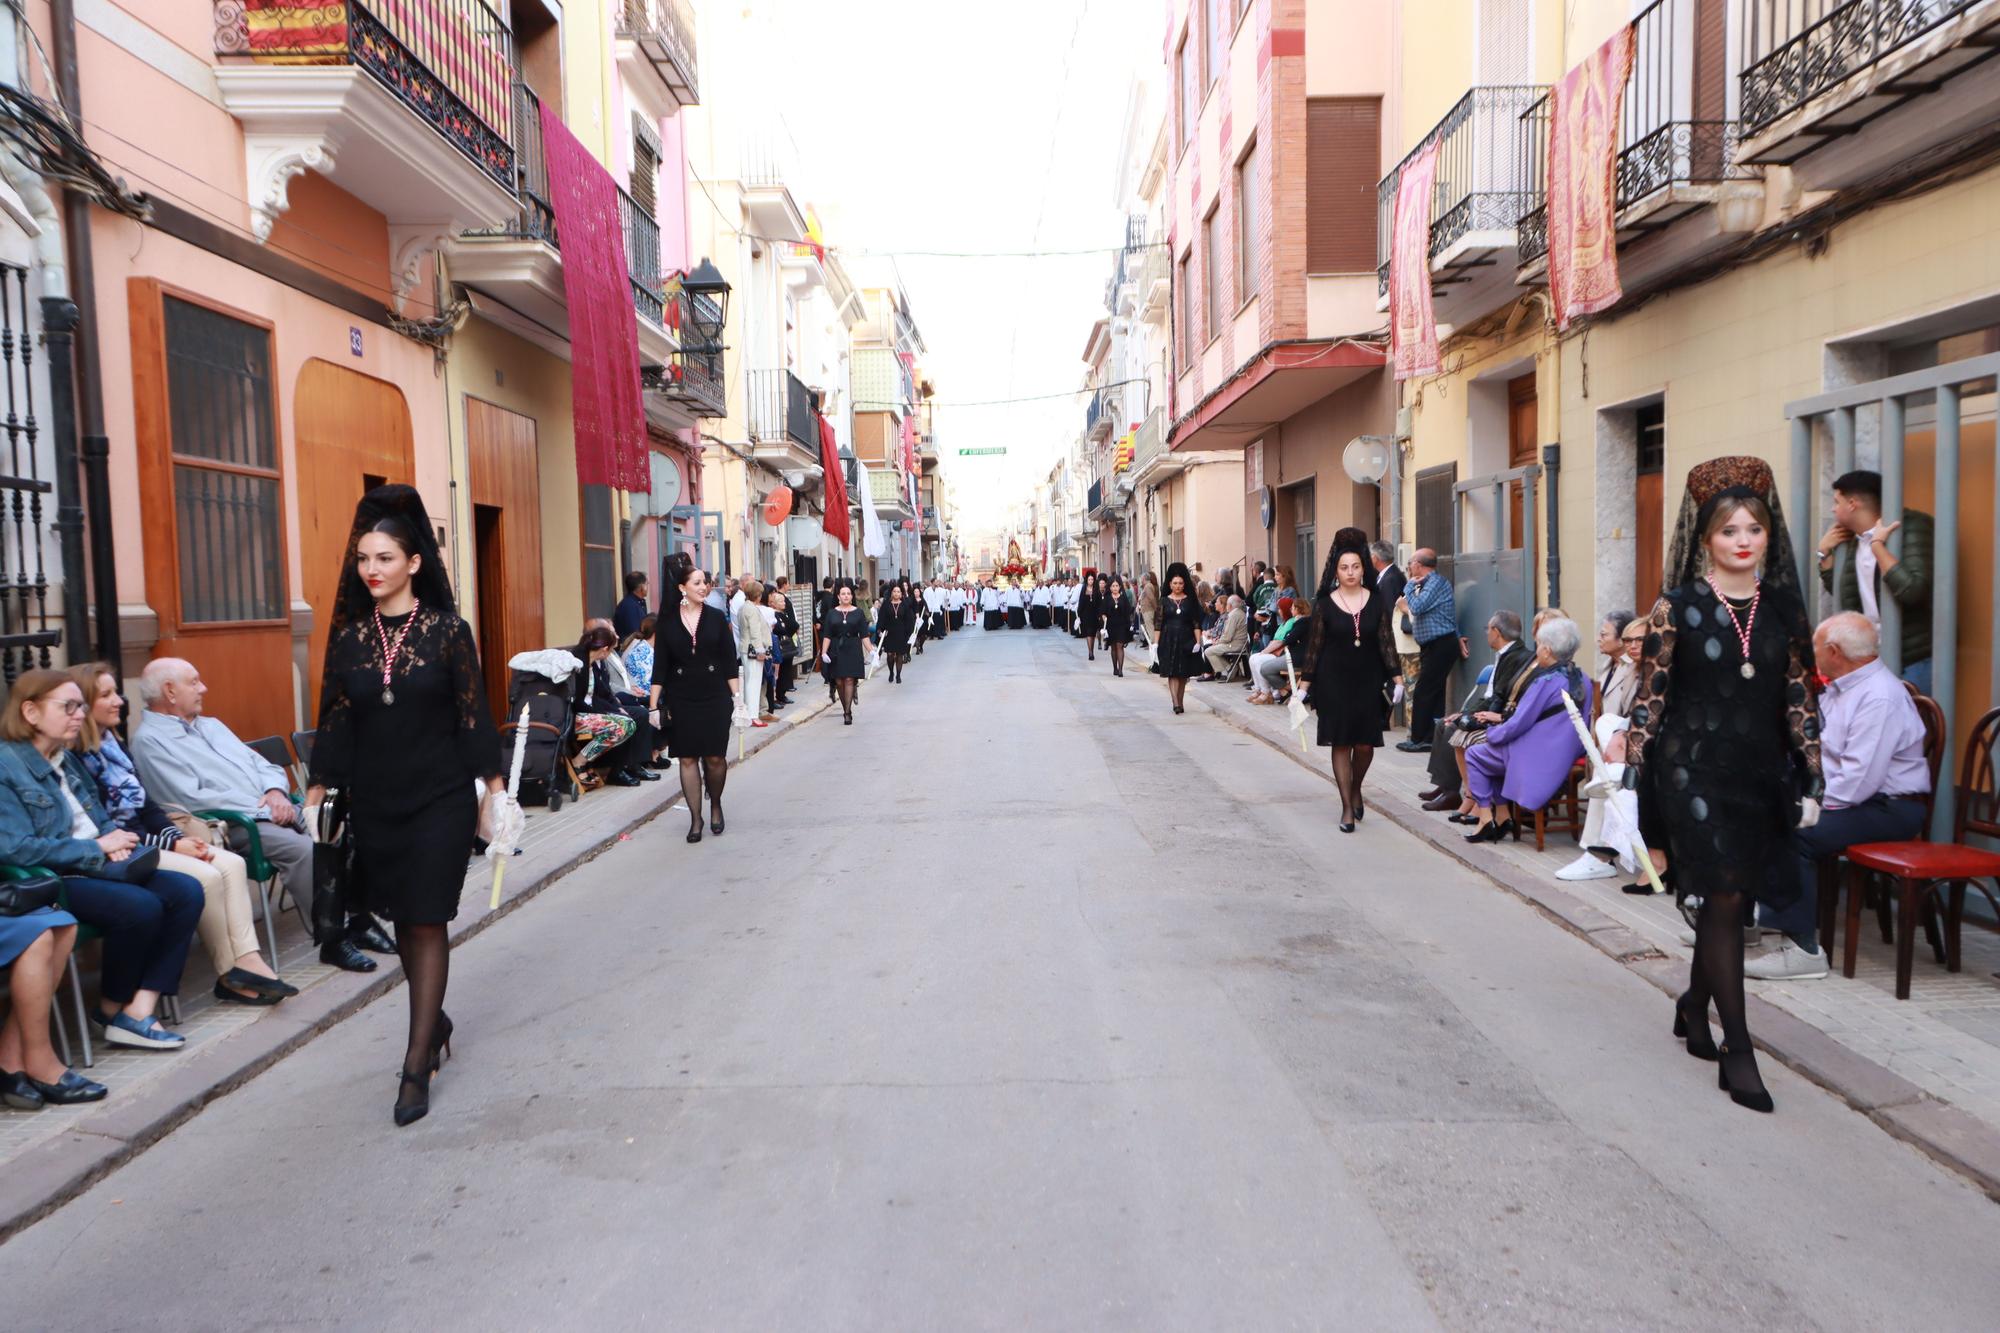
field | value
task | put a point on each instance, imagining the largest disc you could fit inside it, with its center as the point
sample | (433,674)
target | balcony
(1099,415)
(656,50)
(886,490)
(1671,163)
(1840,90)
(1094,506)
(784,432)
(406,104)
(519,262)
(768,152)
(1481,192)
(1156,291)
(690,385)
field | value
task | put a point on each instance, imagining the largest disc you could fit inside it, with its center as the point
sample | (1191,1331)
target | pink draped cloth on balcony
(603,325)
(1582,185)
(1413,331)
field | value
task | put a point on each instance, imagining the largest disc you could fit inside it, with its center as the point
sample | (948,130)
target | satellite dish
(778,505)
(1366,459)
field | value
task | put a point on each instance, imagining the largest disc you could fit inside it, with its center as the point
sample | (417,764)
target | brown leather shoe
(1446,801)
(1430,793)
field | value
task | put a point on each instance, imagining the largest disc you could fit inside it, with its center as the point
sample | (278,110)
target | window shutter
(1343,165)
(645,166)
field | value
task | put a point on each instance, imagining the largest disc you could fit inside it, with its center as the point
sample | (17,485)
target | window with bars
(229,558)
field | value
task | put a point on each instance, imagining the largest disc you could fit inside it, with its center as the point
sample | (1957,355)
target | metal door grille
(25,633)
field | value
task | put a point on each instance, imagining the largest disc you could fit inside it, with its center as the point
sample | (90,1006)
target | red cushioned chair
(1921,872)
(1830,871)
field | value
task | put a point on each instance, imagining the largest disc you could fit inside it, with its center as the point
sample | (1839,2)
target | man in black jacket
(1484,705)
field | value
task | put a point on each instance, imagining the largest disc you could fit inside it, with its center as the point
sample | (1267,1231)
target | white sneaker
(1752,936)
(1587,867)
(1787,962)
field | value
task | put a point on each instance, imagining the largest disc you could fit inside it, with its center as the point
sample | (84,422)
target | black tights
(1350,766)
(1090,643)
(1118,658)
(426,955)
(846,686)
(1177,689)
(897,661)
(710,769)
(1717,976)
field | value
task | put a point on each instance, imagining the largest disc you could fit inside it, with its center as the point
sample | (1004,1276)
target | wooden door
(212,464)
(354,434)
(1522,431)
(1649,516)
(506,495)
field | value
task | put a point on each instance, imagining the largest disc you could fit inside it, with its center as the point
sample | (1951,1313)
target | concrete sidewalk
(47,1157)
(1926,1069)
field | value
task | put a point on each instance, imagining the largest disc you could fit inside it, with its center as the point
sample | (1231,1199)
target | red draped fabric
(835,521)
(1582,186)
(603,325)
(1413,331)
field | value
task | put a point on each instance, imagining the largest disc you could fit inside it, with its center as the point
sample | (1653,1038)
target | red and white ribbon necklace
(391,650)
(1742,627)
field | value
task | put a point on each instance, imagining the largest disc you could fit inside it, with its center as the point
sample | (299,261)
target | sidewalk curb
(1950,1136)
(50,1174)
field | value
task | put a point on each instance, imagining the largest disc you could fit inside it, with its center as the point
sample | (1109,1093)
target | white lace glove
(1808,812)
(505,823)
(740,719)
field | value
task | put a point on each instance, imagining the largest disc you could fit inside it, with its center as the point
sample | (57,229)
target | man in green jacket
(1873,570)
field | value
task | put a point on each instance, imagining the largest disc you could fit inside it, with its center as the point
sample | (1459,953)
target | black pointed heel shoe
(408,1113)
(1694,1032)
(715,823)
(1755,1101)
(441,1042)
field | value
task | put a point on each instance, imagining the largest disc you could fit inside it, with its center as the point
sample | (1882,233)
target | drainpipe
(1551,466)
(89,375)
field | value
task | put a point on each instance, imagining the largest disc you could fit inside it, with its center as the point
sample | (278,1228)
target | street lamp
(708,307)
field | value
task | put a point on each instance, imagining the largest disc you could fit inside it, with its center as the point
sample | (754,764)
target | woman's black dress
(1090,613)
(897,628)
(694,675)
(1722,761)
(1118,613)
(1174,656)
(1348,678)
(408,768)
(844,631)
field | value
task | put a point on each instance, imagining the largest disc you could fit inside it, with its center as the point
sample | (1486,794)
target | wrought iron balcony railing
(664,30)
(1795,50)
(693,376)
(537,218)
(781,409)
(449,61)
(1151,441)
(642,258)
(1658,144)
(1095,502)
(1479,184)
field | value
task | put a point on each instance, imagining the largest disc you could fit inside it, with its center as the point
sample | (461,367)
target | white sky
(950,125)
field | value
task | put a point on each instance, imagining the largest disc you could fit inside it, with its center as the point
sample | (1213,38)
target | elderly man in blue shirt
(190,762)
(1872,753)
(1428,599)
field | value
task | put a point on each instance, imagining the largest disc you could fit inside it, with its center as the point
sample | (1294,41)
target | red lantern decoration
(778,505)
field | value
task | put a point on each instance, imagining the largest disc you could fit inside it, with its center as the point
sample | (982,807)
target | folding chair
(273,750)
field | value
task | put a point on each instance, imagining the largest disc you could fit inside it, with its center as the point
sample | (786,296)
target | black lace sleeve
(1310,662)
(1385,635)
(478,741)
(1802,718)
(333,742)
(1649,701)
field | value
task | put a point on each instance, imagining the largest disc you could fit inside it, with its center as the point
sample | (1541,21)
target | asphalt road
(1022,1003)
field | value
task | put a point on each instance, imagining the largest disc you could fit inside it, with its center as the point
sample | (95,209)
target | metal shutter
(1343,164)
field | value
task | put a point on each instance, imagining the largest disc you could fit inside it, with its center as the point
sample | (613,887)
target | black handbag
(134,869)
(31,893)
(333,869)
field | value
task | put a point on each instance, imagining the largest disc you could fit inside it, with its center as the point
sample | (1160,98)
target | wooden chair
(1920,873)
(1829,867)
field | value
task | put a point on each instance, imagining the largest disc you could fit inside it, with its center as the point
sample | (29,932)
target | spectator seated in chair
(1871,745)
(228,927)
(1231,638)
(607,735)
(1267,669)
(1489,701)
(50,817)
(1622,640)
(1524,761)
(190,761)
(34,951)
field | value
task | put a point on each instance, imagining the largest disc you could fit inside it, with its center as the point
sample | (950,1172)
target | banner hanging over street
(1582,184)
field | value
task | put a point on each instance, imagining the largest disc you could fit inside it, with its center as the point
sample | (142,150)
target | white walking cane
(1295,706)
(506,845)
(1596,757)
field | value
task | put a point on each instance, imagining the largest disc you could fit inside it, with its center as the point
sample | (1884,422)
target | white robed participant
(990,608)
(1016,604)
(1038,606)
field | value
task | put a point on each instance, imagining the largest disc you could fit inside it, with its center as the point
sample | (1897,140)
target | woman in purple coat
(1522,761)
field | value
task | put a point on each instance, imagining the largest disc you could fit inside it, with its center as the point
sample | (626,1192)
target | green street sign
(964,452)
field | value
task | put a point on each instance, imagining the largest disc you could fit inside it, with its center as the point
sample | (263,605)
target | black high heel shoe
(694,830)
(408,1113)
(441,1041)
(1487,832)
(1700,1041)
(715,820)
(1754,1101)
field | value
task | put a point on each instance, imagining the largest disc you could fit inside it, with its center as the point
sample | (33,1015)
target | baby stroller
(546,773)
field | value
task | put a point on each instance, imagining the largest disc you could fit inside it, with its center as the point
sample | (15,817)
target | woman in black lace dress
(844,631)
(1350,661)
(1090,613)
(405,733)
(1724,745)
(1177,630)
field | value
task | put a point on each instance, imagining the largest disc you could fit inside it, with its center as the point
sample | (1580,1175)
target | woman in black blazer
(695,670)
